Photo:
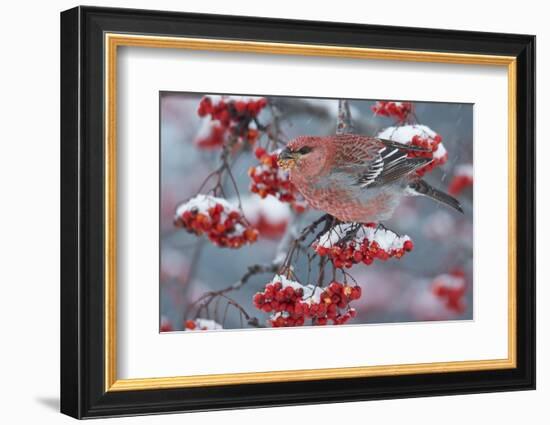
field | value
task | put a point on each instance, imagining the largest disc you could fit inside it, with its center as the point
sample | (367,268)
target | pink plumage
(356,178)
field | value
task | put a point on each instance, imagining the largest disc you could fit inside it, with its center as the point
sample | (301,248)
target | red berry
(335,287)
(259,299)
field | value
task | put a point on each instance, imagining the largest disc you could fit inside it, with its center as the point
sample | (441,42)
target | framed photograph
(261,212)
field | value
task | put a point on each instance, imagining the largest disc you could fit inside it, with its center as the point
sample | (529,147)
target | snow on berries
(462,179)
(221,222)
(450,288)
(230,119)
(269,215)
(421,136)
(269,179)
(352,243)
(397,110)
(201,325)
(292,304)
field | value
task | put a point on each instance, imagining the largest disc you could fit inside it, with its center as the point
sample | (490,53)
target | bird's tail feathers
(420,187)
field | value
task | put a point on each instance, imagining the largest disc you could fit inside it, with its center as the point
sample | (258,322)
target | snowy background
(408,289)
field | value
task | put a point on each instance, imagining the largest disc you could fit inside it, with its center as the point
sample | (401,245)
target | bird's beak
(287,159)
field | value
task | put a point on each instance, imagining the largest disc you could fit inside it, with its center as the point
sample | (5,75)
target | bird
(357,178)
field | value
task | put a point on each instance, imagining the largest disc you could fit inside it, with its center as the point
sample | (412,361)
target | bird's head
(305,154)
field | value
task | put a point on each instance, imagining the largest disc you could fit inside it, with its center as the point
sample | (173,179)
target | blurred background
(421,286)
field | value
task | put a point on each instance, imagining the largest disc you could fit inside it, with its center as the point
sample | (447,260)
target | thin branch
(295,244)
(344,122)
(203,302)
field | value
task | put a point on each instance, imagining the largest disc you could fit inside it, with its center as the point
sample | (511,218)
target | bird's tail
(420,187)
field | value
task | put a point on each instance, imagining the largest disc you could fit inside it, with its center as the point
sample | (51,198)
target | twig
(206,299)
(344,123)
(295,244)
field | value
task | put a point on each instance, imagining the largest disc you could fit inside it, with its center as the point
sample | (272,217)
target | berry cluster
(269,179)
(292,304)
(398,110)
(463,178)
(270,229)
(201,325)
(451,288)
(421,136)
(227,111)
(269,216)
(436,151)
(224,225)
(349,244)
(230,117)
(212,138)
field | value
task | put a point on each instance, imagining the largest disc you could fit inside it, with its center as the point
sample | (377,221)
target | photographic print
(262,211)
(289,211)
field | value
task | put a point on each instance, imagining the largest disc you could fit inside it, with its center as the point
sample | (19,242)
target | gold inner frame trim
(113,41)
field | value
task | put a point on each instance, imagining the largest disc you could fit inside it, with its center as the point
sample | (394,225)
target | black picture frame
(82,218)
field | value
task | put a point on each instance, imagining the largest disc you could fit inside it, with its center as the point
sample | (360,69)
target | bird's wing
(387,171)
(375,162)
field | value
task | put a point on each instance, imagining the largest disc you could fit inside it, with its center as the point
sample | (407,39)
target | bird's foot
(381,226)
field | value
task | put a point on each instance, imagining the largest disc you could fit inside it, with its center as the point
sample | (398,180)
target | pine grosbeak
(357,178)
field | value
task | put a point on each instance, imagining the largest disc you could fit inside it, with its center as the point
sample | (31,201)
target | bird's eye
(304,150)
